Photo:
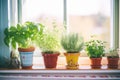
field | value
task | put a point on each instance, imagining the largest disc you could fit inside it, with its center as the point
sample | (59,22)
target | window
(43,11)
(90,17)
(87,17)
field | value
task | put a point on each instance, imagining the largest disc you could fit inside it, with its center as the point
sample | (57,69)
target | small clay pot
(113,62)
(50,60)
(95,62)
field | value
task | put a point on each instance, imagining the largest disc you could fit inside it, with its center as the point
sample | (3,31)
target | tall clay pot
(50,60)
(112,62)
(72,60)
(26,57)
(95,62)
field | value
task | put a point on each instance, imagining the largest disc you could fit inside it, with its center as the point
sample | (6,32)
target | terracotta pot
(95,62)
(50,60)
(30,49)
(113,62)
(26,57)
(72,60)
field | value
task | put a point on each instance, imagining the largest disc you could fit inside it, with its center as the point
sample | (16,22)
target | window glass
(90,17)
(43,11)
(86,17)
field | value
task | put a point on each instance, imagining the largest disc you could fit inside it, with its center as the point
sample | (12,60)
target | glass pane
(90,17)
(43,11)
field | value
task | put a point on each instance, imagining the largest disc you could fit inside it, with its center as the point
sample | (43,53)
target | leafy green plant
(49,41)
(95,48)
(72,42)
(112,53)
(21,35)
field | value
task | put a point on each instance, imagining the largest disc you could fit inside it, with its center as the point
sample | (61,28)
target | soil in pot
(50,60)
(95,62)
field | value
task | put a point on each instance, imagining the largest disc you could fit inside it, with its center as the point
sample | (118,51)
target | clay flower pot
(72,60)
(26,57)
(95,62)
(112,62)
(50,60)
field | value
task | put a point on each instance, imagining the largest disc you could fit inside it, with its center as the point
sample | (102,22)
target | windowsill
(60,74)
(84,64)
(39,72)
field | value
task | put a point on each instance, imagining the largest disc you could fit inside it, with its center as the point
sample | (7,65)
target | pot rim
(29,49)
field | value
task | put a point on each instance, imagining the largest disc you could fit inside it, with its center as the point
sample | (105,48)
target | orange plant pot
(50,60)
(95,62)
(113,62)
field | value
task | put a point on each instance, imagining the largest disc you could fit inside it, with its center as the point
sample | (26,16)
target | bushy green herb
(72,42)
(95,48)
(49,41)
(21,34)
(113,53)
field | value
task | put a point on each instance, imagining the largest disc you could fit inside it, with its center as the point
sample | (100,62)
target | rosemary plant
(72,42)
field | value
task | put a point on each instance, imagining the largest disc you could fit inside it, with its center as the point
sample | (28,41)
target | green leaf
(13,43)
(7,41)
(13,29)
(6,31)
(19,27)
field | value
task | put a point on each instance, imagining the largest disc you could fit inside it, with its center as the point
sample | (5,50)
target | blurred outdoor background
(86,17)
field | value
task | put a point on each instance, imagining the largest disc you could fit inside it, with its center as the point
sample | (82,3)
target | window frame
(4,50)
(115,12)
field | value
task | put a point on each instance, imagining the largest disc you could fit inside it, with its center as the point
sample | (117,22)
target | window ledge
(60,74)
(38,72)
(87,71)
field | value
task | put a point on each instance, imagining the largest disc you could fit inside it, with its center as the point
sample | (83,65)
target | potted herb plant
(95,50)
(49,43)
(72,43)
(22,36)
(112,58)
